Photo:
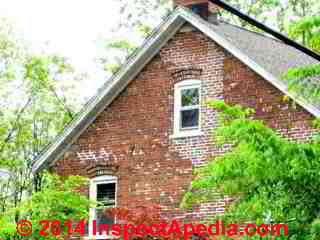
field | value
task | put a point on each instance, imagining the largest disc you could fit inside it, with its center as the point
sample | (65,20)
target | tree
(304,81)
(271,178)
(138,13)
(304,15)
(138,19)
(278,14)
(58,200)
(118,51)
(260,10)
(37,100)
(27,128)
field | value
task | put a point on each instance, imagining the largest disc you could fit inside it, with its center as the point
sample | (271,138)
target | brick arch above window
(186,74)
(97,169)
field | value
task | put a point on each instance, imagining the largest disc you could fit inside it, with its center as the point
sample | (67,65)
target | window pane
(189,118)
(190,97)
(106,194)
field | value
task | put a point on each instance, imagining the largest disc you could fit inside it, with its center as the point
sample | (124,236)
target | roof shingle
(275,56)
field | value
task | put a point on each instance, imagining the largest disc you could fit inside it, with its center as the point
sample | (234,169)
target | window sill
(186,134)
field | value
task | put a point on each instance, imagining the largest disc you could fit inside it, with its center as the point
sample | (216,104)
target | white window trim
(92,196)
(177,132)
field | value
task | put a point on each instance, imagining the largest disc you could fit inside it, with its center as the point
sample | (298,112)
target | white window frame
(93,196)
(178,88)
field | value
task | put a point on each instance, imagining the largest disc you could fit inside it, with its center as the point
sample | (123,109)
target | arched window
(187,108)
(103,189)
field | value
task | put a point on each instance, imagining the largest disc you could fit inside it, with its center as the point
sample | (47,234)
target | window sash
(93,196)
(186,108)
(178,108)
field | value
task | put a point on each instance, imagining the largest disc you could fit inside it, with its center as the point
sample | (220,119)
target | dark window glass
(106,196)
(189,118)
(190,97)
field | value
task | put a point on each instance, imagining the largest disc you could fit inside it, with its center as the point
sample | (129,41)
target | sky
(69,27)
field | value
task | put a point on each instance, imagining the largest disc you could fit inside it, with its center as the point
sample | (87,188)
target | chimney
(204,8)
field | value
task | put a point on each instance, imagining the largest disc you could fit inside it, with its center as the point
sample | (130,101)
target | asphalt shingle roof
(275,56)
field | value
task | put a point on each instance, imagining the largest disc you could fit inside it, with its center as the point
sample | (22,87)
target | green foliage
(36,102)
(144,30)
(58,200)
(26,129)
(230,112)
(118,50)
(260,10)
(138,13)
(304,81)
(122,44)
(137,19)
(112,67)
(270,177)
(275,13)
(303,72)
(307,27)
(12,51)
(315,229)
(316,123)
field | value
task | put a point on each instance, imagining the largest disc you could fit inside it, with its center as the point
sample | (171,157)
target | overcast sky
(72,27)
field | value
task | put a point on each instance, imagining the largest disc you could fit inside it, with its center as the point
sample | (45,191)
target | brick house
(141,136)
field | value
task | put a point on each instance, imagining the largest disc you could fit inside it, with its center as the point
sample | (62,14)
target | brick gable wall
(131,138)
(243,86)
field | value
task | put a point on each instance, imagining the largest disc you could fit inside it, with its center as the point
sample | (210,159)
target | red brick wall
(132,136)
(245,87)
